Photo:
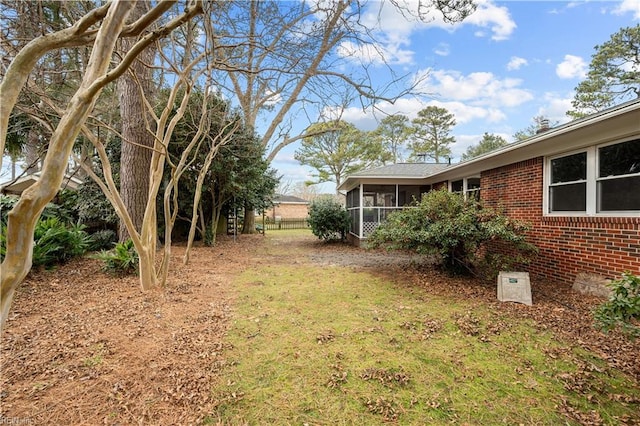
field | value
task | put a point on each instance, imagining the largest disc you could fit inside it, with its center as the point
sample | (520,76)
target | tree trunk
(23,217)
(32,152)
(135,157)
(249,222)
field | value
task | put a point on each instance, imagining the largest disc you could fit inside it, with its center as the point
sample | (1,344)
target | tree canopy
(336,149)
(488,143)
(393,133)
(539,122)
(430,133)
(614,74)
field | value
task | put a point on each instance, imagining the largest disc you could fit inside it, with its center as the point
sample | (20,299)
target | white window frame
(591,181)
(467,191)
(465,188)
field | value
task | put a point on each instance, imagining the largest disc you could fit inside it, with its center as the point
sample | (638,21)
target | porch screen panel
(353,198)
(407,193)
(353,204)
(379,195)
(457,186)
(354,227)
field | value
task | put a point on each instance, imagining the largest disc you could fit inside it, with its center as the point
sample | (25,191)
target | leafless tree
(282,63)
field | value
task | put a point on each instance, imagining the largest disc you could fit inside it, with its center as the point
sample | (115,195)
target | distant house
(578,185)
(15,187)
(288,207)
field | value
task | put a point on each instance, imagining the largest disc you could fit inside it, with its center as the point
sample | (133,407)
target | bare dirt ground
(85,348)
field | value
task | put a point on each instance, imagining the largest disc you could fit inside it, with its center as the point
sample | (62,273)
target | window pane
(570,168)
(621,194)
(568,198)
(620,159)
(474,194)
(456,186)
(473,183)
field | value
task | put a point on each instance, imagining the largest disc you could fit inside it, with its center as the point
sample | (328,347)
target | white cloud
(495,18)
(515,63)
(490,19)
(392,33)
(393,27)
(442,49)
(625,6)
(572,67)
(556,107)
(480,88)
(375,54)
(465,113)
(462,143)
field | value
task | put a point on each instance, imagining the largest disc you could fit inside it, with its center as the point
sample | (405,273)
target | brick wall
(289,211)
(605,246)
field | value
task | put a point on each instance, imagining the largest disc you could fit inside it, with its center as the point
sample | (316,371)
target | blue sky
(507,63)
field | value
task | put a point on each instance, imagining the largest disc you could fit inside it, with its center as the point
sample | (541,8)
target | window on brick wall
(470,187)
(568,184)
(601,179)
(618,180)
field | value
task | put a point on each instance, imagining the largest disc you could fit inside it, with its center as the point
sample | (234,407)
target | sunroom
(372,195)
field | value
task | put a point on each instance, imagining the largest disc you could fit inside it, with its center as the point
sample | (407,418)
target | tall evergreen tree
(489,142)
(540,123)
(614,74)
(392,133)
(430,134)
(137,140)
(336,149)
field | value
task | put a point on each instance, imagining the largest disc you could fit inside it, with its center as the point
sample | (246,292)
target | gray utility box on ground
(514,287)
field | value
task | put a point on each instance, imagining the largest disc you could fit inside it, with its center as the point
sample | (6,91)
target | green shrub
(122,259)
(622,310)
(3,241)
(55,242)
(62,208)
(6,204)
(328,220)
(102,240)
(465,236)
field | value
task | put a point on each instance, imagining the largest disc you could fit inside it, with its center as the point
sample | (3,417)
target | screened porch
(369,205)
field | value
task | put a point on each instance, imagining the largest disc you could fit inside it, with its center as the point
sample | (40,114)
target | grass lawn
(317,344)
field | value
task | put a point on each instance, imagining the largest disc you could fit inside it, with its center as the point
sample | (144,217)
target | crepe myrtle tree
(100,28)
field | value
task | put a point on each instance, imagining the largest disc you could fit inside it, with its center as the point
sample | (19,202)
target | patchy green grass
(326,345)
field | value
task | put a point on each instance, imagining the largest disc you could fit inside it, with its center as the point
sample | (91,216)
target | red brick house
(578,185)
(288,207)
